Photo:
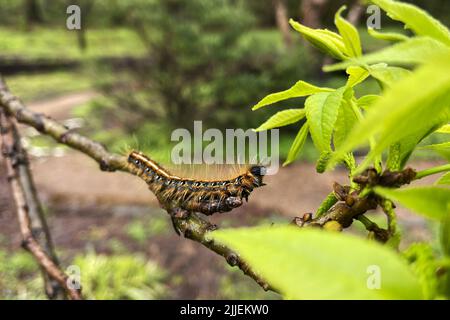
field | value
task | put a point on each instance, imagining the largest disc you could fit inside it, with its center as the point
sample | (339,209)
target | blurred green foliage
(120,277)
(200,56)
(140,231)
(235,285)
(199,63)
(60,43)
(32,87)
(423,262)
(19,277)
(105,13)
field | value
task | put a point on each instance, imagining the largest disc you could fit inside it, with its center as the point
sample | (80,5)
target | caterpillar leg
(209,207)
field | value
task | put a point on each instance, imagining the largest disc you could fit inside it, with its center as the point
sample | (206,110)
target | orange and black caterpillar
(203,196)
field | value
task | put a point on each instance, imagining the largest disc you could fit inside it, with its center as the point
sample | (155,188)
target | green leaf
(367,101)
(441,148)
(322,162)
(298,144)
(400,151)
(329,201)
(432,202)
(325,40)
(388,36)
(356,75)
(313,264)
(345,122)
(438,146)
(423,263)
(388,75)
(402,110)
(445,179)
(300,89)
(322,111)
(444,129)
(415,19)
(412,51)
(445,236)
(394,158)
(282,118)
(349,34)
(382,72)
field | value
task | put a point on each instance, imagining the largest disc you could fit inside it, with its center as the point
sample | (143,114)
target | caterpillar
(193,195)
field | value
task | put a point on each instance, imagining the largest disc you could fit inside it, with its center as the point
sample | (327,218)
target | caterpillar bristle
(201,195)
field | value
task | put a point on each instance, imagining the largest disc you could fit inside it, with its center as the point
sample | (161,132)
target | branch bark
(344,205)
(191,225)
(33,228)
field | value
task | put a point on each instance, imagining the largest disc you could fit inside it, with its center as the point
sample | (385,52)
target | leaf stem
(380,234)
(368,224)
(434,170)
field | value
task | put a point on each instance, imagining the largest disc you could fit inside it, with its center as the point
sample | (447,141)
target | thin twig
(193,227)
(111,162)
(38,222)
(13,106)
(380,234)
(16,160)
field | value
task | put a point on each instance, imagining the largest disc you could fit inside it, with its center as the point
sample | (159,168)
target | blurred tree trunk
(281,18)
(355,13)
(81,37)
(311,12)
(311,16)
(33,13)
(85,7)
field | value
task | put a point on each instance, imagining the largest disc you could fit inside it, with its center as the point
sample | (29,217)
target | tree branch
(343,205)
(14,107)
(39,225)
(27,204)
(191,225)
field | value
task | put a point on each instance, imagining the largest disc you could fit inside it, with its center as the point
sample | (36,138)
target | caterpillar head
(258,172)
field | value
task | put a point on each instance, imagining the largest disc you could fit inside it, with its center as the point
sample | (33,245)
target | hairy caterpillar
(203,196)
